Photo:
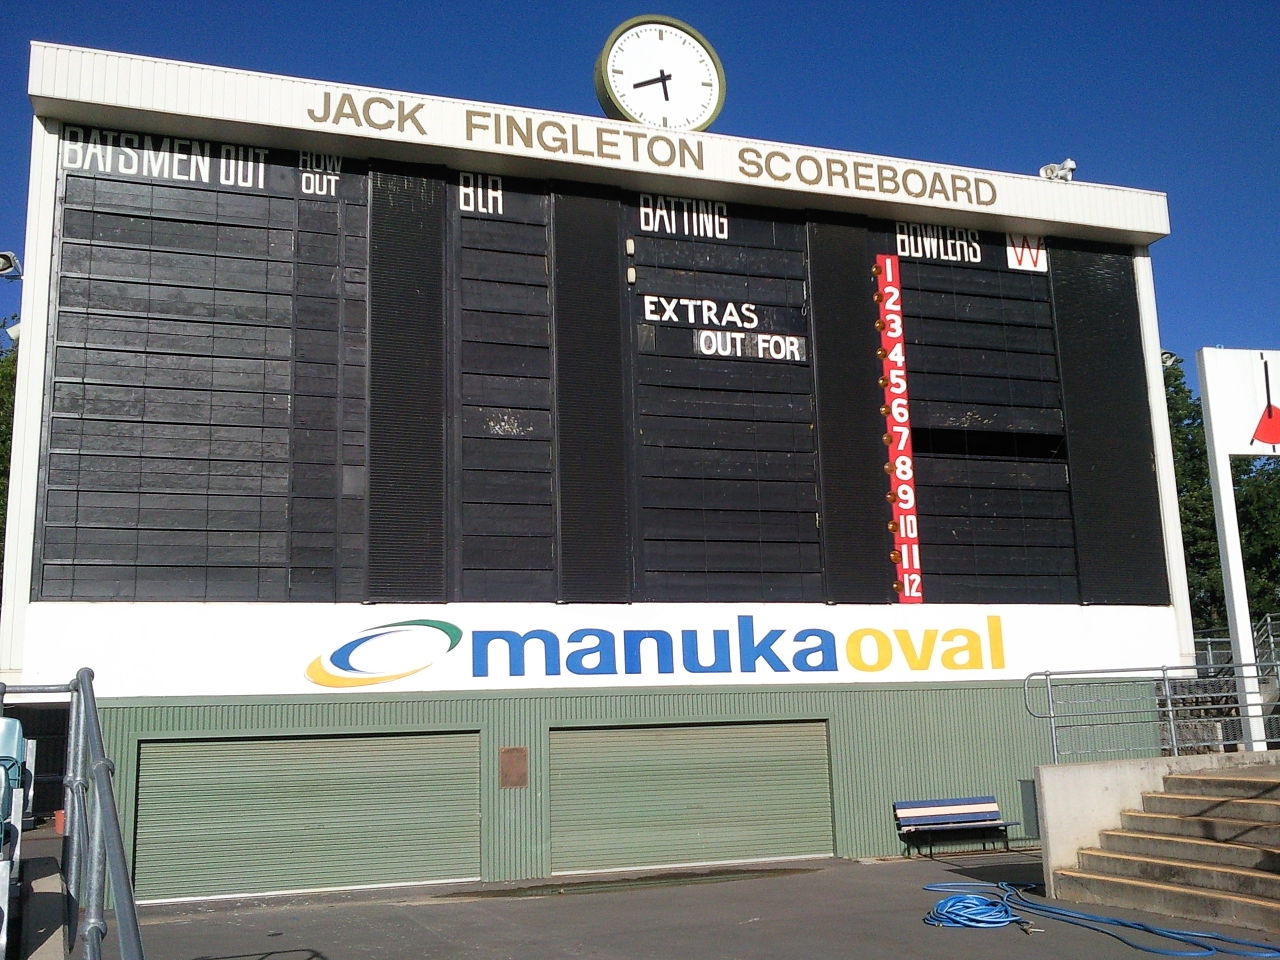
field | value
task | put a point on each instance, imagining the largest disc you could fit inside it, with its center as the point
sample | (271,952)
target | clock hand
(661,78)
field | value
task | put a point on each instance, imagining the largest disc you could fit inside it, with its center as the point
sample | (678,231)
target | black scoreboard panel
(987,424)
(293,376)
(502,454)
(723,425)
(206,423)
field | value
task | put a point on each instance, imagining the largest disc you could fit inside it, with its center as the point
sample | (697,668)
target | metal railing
(1155,711)
(1213,647)
(1266,634)
(93,854)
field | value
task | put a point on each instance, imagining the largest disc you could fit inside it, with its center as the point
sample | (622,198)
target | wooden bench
(921,819)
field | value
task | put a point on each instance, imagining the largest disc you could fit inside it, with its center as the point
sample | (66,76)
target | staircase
(1207,847)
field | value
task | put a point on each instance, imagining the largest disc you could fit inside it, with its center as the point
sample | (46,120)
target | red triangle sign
(1268,430)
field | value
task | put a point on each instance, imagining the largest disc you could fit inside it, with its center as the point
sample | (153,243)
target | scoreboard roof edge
(144,94)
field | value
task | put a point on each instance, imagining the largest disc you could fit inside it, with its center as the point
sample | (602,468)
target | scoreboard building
(447,490)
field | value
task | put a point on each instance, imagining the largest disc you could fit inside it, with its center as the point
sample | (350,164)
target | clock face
(661,72)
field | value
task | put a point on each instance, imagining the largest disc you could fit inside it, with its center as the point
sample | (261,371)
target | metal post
(1169,712)
(1053,719)
(93,924)
(73,793)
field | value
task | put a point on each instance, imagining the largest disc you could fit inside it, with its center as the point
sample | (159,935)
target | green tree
(1195,498)
(1257,481)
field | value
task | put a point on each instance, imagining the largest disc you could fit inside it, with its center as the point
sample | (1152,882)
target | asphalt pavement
(815,910)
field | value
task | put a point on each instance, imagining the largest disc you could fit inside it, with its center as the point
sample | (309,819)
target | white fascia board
(29,397)
(101,88)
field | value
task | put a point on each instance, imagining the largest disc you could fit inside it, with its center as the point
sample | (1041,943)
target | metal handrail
(93,845)
(1185,708)
(1266,632)
(1213,641)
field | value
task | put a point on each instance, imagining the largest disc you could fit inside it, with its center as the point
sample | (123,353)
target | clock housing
(661,72)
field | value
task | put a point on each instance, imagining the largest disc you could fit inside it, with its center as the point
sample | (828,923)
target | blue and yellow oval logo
(337,669)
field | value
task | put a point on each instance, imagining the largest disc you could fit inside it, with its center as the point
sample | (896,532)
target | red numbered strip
(900,467)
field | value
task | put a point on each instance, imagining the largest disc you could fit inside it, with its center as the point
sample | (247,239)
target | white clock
(661,72)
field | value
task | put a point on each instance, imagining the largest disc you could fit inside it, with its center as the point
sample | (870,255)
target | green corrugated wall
(887,743)
(426,826)
(695,793)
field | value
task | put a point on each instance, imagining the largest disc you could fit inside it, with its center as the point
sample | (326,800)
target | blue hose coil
(970,910)
(965,908)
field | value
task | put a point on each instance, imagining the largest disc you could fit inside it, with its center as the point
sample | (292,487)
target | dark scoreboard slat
(1006,559)
(977,473)
(964,416)
(962,502)
(492,390)
(717,494)
(725,464)
(1004,588)
(930,333)
(501,266)
(991,280)
(483,234)
(506,359)
(983,309)
(975,388)
(732,556)
(507,519)
(754,525)
(195,338)
(693,586)
(932,358)
(482,327)
(773,291)
(723,405)
(992,531)
(736,259)
(684,371)
(497,422)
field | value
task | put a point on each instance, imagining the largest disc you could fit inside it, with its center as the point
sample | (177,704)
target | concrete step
(1233,782)
(1198,805)
(1208,828)
(1081,886)
(1202,876)
(1196,849)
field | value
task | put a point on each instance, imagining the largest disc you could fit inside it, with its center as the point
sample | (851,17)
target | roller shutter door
(646,796)
(252,816)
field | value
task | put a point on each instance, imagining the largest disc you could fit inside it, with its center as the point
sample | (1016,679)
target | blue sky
(1174,96)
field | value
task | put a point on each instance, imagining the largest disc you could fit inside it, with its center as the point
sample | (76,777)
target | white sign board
(1241,418)
(1245,389)
(245,649)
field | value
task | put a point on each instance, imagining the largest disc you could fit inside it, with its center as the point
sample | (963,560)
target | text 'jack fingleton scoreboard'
(298,375)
